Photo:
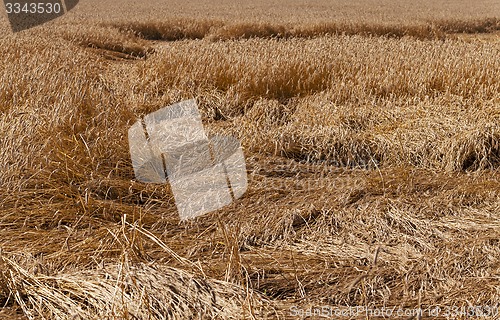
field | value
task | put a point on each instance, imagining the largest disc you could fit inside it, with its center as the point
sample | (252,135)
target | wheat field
(371,133)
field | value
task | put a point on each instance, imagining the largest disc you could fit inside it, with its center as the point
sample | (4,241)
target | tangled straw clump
(125,291)
(476,150)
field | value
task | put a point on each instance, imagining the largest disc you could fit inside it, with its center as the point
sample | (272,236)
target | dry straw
(126,291)
(372,152)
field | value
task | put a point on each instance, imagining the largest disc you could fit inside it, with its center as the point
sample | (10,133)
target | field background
(371,133)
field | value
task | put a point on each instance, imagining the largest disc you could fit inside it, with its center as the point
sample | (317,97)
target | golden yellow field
(371,132)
